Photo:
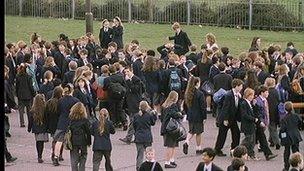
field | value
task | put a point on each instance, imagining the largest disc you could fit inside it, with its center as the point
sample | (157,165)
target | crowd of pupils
(61,83)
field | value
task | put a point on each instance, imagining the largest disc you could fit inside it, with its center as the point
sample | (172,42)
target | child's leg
(108,164)
(140,154)
(97,157)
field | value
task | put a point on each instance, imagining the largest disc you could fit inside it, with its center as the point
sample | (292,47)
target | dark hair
(135,41)
(9,45)
(83,51)
(225,50)
(290,44)
(271,50)
(210,152)
(252,79)
(151,53)
(214,60)
(288,106)
(27,58)
(254,42)
(237,163)
(204,46)
(222,66)
(239,151)
(261,89)
(236,82)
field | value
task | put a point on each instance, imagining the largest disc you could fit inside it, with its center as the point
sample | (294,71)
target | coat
(105,37)
(152,80)
(68,77)
(102,142)
(201,167)
(273,102)
(290,124)
(134,88)
(81,135)
(142,127)
(35,127)
(117,33)
(248,125)
(183,40)
(24,87)
(197,112)
(64,106)
(172,111)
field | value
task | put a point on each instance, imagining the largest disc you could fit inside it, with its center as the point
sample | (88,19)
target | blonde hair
(171,99)
(144,106)
(103,115)
(49,61)
(78,111)
(248,92)
(211,38)
(270,82)
(175,26)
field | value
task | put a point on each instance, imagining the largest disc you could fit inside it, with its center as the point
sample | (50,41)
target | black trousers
(97,157)
(116,112)
(261,138)
(294,148)
(222,134)
(39,148)
(8,155)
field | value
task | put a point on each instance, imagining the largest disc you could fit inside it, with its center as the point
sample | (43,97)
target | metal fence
(271,14)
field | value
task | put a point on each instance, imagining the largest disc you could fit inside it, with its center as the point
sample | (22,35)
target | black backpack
(116,91)
(174,81)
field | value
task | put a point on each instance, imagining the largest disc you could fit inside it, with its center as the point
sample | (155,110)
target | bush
(271,16)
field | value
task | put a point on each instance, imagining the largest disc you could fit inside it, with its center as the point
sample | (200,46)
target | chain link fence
(260,14)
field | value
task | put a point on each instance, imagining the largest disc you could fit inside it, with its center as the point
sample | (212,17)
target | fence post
(250,14)
(188,11)
(20,7)
(301,9)
(89,17)
(129,11)
(73,9)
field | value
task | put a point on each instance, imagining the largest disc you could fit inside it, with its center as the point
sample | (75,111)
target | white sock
(198,147)
(167,162)
(187,141)
(208,108)
(172,160)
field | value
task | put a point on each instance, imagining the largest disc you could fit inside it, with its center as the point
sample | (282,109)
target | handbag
(182,133)
(172,127)
(284,137)
(208,87)
(67,143)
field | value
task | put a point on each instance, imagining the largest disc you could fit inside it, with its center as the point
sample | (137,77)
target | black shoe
(199,152)
(40,160)
(22,126)
(169,166)
(271,156)
(271,145)
(278,147)
(220,154)
(7,134)
(260,150)
(125,140)
(185,148)
(12,159)
(52,157)
(60,158)
(173,163)
(56,162)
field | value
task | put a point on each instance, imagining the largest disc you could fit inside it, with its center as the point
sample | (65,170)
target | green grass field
(150,36)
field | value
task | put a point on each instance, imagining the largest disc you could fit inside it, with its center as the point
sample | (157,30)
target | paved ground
(22,145)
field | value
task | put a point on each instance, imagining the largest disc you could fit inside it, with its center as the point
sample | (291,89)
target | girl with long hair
(170,109)
(196,113)
(38,124)
(255,44)
(64,106)
(117,32)
(52,115)
(81,136)
(102,145)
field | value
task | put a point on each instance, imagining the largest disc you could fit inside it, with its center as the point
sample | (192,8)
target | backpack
(283,96)
(116,91)
(217,96)
(174,81)
(100,93)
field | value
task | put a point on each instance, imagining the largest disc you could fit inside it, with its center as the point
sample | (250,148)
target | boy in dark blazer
(228,117)
(207,164)
(289,133)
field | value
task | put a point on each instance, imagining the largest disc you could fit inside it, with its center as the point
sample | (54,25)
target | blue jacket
(142,126)
(64,106)
(102,142)
(152,80)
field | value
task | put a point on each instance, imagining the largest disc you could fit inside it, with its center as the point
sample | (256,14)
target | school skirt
(42,137)
(170,141)
(196,128)
(59,135)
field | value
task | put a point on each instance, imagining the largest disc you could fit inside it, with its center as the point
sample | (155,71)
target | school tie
(236,97)
(267,112)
